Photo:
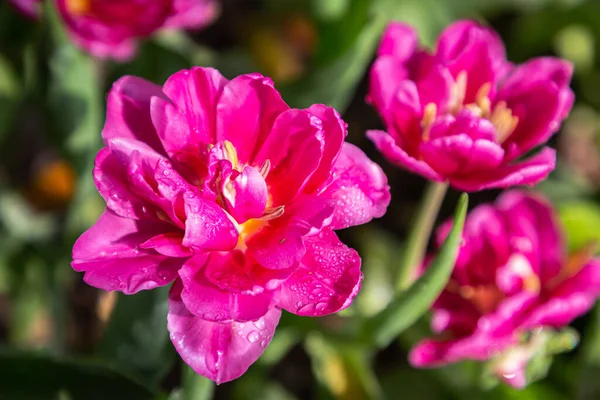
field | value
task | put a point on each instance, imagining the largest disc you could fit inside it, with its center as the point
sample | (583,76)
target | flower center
(243,194)
(78,7)
(500,116)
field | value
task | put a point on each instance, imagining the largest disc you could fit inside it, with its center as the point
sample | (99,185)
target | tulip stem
(420,233)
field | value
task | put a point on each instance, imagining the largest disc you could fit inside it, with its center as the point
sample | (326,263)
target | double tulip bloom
(111,29)
(512,280)
(463,113)
(222,189)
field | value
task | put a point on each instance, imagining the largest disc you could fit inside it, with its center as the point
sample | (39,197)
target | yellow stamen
(504,121)
(428,117)
(78,7)
(265,168)
(482,99)
(459,91)
(230,153)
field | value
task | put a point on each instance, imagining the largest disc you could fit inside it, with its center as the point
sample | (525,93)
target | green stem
(420,233)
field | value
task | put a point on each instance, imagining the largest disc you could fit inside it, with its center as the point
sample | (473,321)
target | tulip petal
(218,303)
(219,351)
(461,155)
(128,111)
(111,255)
(277,247)
(334,132)
(294,148)
(396,155)
(327,279)
(246,112)
(528,172)
(207,226)
(189,123)
(360,189)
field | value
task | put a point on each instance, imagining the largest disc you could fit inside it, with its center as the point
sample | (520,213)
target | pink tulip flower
(222,188)
(512,279)
(111,28)
(463,113)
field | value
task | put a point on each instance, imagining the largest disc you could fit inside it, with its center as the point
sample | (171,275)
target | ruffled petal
(187,122)
(528,172)
(192,14)
(294,147)
(128,111)
(214,302)
(219,351)
(538,110)
(531,217)
(359,188)
(461,155)
(334,132)
(278,247)
(397,156)
(327,279)
(246,196)
(112,257)
(246,112)
(207,226)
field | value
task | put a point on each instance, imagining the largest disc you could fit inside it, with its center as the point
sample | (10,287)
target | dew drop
(260,324)
(253,336)
(263,343)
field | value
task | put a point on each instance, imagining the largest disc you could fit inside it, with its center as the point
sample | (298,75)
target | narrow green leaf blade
(416,300)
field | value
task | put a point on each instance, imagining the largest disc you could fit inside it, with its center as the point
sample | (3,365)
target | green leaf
(137,338)
(196,387)
(380,252)
(416,300)
(76,112)
(343,369)
(581,220)
(335,83)
(31,376)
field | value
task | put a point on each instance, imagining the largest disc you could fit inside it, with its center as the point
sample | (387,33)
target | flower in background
(222,188)
(31,8)
(463,113)
(511,285)
(111,29)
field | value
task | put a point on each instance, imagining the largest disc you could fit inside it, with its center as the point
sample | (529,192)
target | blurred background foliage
(60,339)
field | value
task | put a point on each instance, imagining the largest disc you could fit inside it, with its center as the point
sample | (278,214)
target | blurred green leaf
(31,377)
(416,300)
(137,338)
(282,343)
(335,83)
(76,112)
(581,220)
(380,252)
(330,10)
(9,96)
(196,387)
(21,221)
(588,386)
(344,370)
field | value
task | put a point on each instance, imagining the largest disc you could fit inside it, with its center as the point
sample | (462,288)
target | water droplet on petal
(253,336)
(260,324)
